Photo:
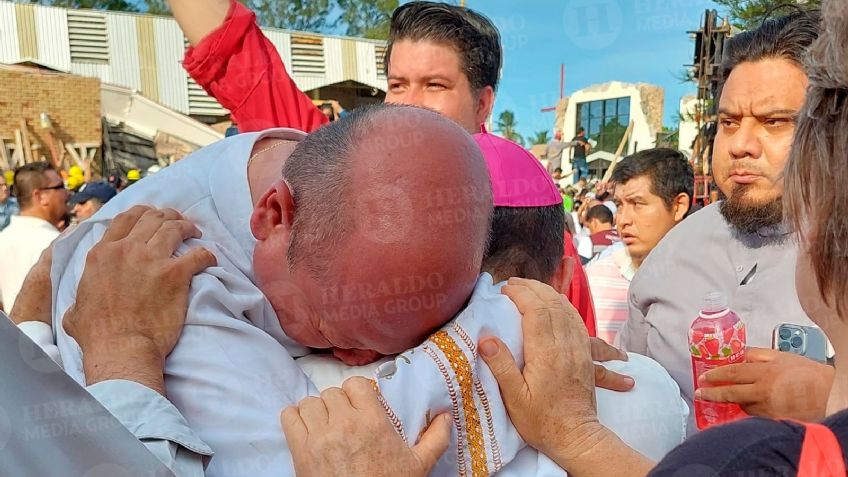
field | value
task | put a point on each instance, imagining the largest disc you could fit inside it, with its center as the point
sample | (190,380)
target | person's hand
(35,300)
(132,297)
(771,384)
(601,351)
(346,432)
(604,378)
(553,400)
(337,108)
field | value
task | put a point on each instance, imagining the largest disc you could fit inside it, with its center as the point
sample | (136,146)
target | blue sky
(598,40)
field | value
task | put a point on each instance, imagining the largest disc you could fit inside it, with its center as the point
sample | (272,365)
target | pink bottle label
(714,342)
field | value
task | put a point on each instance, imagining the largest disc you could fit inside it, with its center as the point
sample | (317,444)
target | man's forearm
(132,360)
(598,452)
(198,18)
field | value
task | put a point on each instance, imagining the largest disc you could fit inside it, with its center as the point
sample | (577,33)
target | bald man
(295,271)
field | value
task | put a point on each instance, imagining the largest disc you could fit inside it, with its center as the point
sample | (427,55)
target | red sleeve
(238,66)
(578,292)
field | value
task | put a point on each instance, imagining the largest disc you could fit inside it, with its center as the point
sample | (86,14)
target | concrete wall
(75,112)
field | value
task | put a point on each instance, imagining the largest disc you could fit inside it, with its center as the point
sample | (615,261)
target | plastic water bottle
(716,338)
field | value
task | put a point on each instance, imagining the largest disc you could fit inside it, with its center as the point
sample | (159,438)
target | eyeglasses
(55,187)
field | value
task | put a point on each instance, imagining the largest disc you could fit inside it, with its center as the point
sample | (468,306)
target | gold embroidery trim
(465,378)
(460,451)
(484,401)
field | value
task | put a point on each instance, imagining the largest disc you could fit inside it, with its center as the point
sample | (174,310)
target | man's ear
(275,208)
(39,198)
(681,206)
(563,274)
(485,103)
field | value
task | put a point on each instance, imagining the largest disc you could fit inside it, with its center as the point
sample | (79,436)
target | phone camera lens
(783,346)
(796,341)
(784,333)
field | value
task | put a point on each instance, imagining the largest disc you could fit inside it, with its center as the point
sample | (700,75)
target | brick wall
(73,103)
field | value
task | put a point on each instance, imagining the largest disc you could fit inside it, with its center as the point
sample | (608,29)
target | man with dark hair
(91,198)
(578,162)
(440,56)
(600,222)
(42,198)
(653,193)
(740,246)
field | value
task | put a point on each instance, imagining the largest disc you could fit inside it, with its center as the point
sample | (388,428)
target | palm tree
(507,125)
(541,137)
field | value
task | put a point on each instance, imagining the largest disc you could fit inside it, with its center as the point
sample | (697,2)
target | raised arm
(237,65)
(199,18)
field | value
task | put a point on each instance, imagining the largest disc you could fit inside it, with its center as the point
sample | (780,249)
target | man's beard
(748,216)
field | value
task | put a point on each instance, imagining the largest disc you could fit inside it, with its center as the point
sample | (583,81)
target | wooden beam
(19,149)
(73,152)
(25,141)
(4,156)
(620,150)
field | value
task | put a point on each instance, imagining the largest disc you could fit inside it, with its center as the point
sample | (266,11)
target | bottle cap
(714,302)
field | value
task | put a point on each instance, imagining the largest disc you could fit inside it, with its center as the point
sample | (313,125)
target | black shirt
(580,151)
(751,447)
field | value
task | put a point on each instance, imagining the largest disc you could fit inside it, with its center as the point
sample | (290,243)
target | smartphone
(808,341)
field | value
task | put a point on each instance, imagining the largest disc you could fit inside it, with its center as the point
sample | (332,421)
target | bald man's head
(390,212)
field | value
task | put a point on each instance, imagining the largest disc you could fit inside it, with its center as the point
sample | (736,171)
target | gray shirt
(700,255)
(554,153)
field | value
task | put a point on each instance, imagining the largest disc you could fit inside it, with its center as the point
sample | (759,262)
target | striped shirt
(609,279)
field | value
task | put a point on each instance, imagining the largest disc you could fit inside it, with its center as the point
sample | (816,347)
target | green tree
(541,137)
(360,18)
(507,125)
(749,14)
(301,15)
(367,18)
(118,5)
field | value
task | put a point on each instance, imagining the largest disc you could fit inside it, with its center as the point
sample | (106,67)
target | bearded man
(740,246)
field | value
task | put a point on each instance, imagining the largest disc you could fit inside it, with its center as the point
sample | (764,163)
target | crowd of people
(463,313)
(37,203)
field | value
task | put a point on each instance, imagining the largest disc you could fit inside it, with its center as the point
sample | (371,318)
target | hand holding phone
(807,341)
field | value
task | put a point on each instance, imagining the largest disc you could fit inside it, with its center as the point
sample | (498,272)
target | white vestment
(232,371)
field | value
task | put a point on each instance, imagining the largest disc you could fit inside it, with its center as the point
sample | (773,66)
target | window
(307,54)
(88,37)
(380,59)
(605,121)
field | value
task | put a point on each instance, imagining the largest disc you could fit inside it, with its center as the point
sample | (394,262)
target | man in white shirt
(231,329)
(42,197)
(395,273)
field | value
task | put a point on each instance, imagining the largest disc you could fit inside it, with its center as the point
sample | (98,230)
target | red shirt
(578,292)
(238,66)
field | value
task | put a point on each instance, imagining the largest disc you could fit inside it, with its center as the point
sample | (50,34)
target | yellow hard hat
(74,182)
(10,177)
(75,171)
(133,175)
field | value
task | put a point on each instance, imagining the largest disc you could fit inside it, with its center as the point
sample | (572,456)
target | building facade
(144,53)
(690,109)
(605,111)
